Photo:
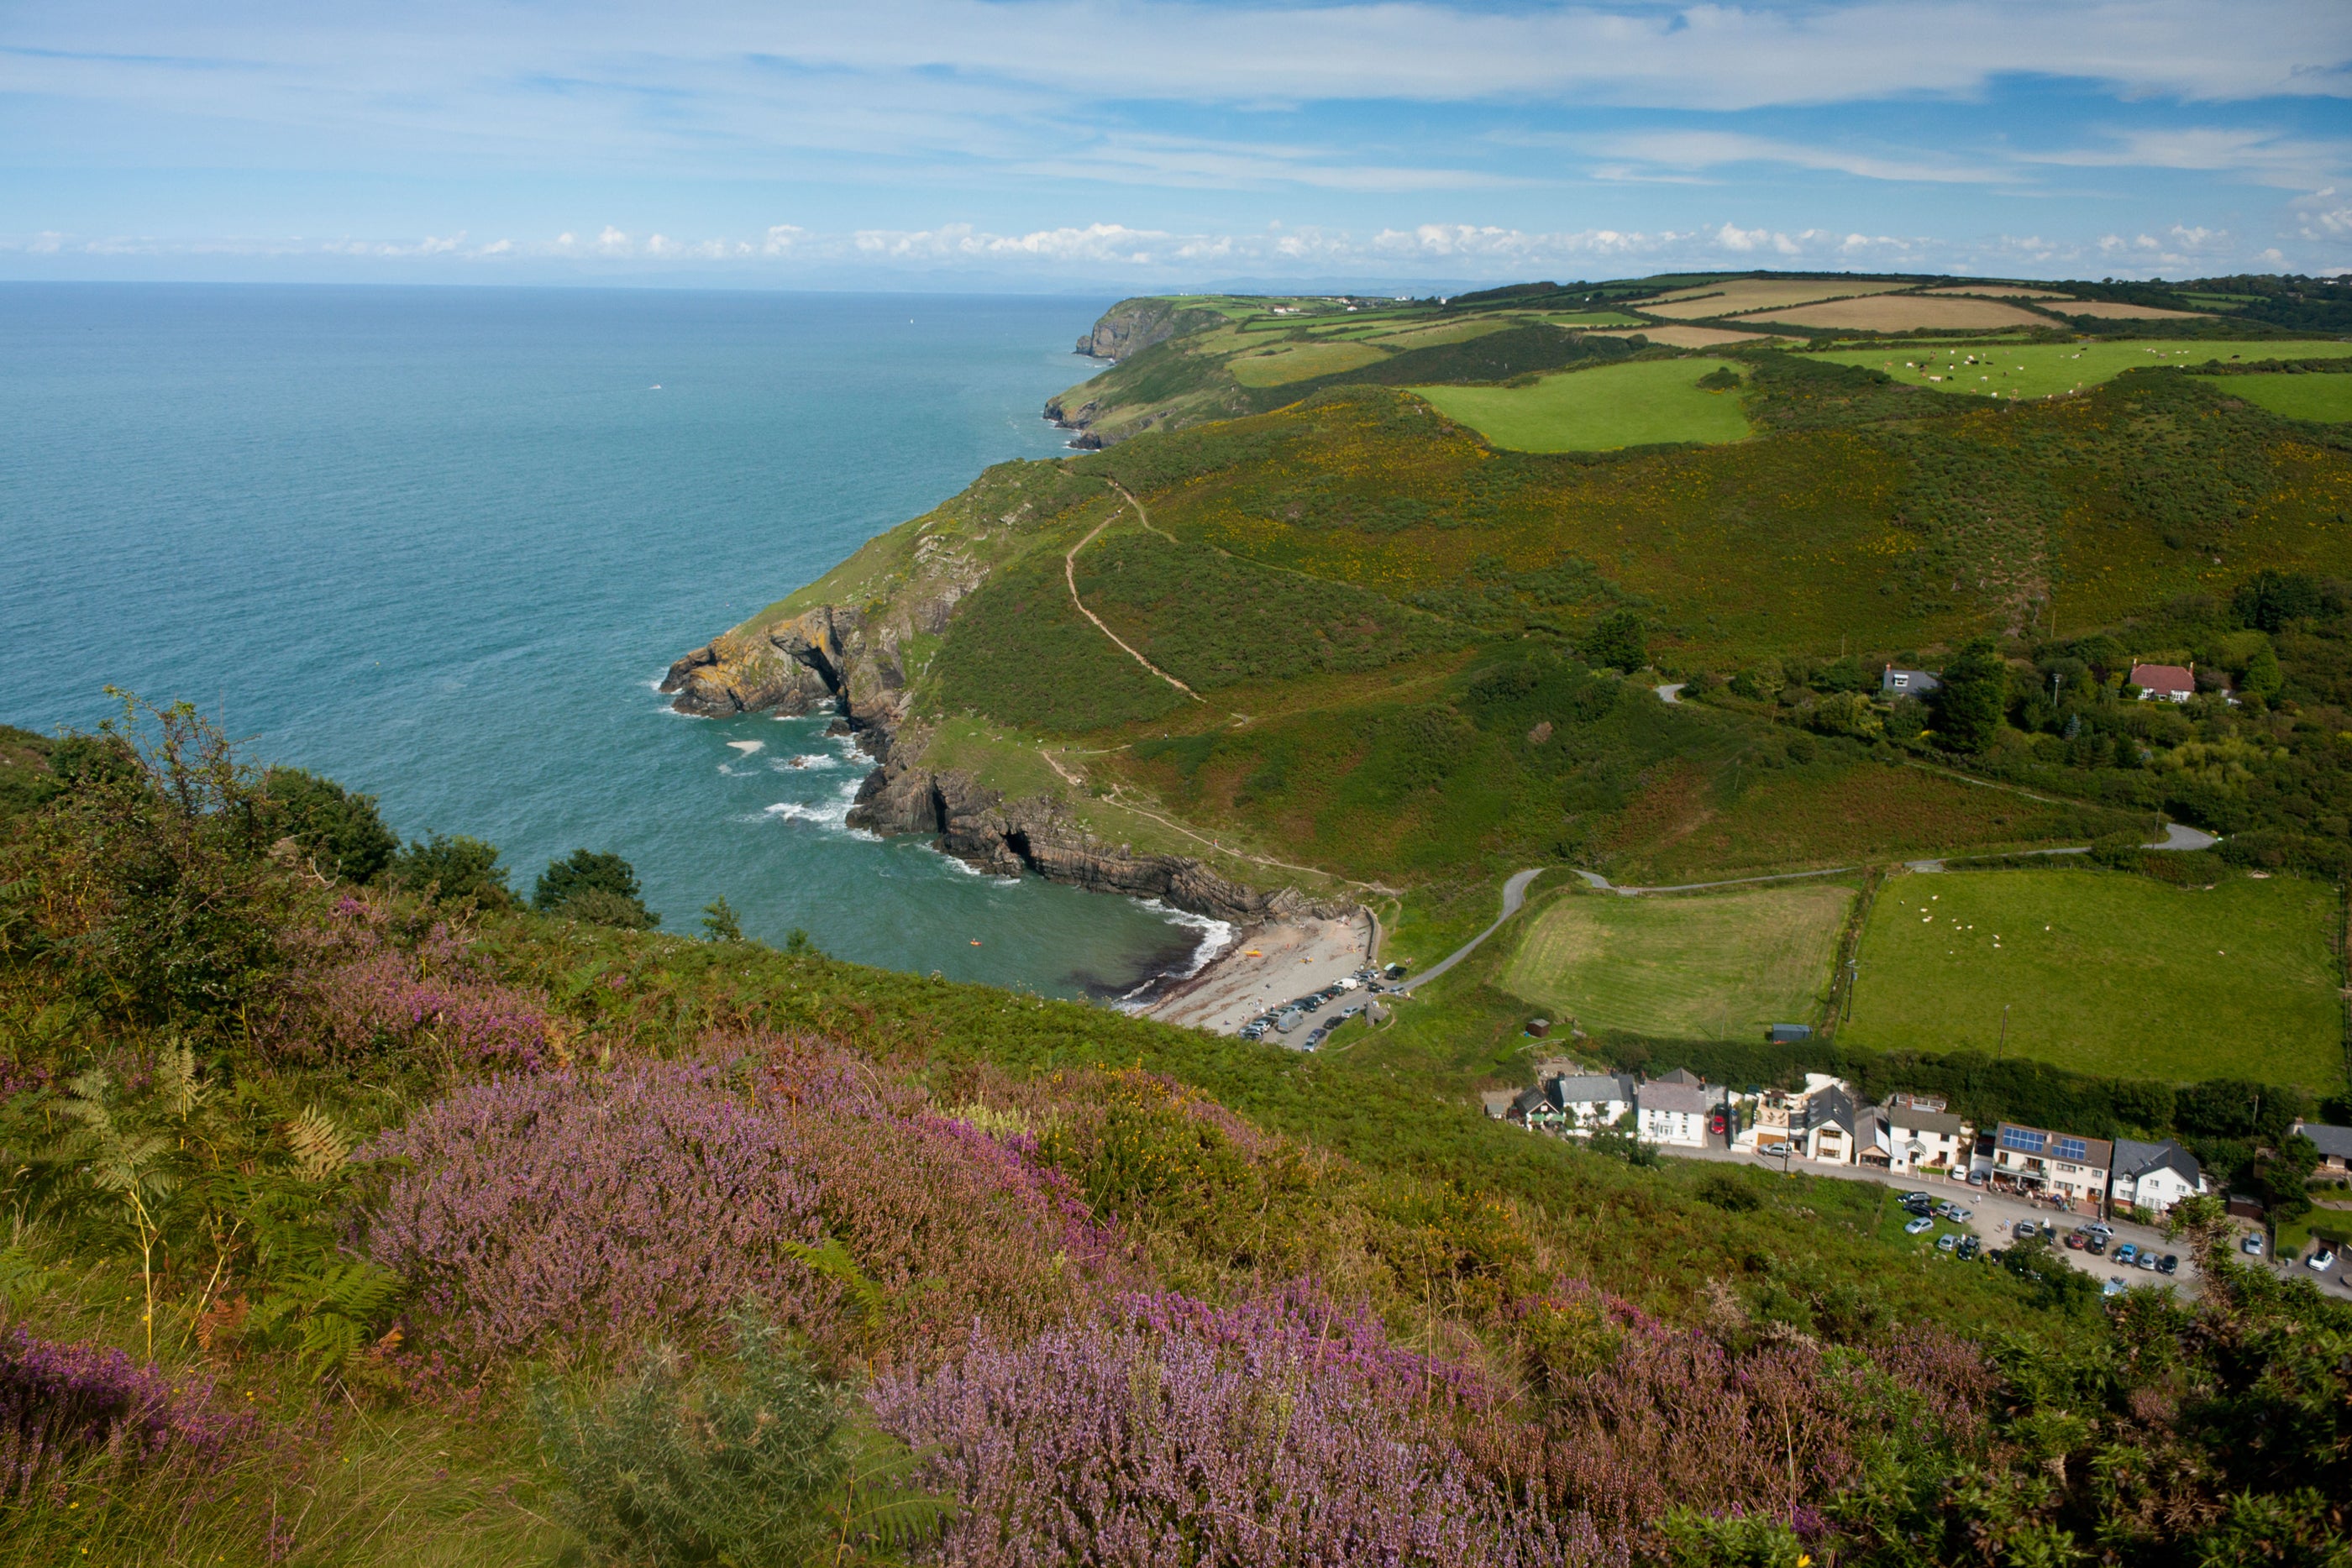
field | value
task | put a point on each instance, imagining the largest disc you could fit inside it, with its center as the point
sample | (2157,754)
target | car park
(1916,1226)
(2323,1260)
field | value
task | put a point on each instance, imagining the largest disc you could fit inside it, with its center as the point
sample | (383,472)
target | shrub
(64,1405)
(601,889)
(1171,1438)
(452,871)
(766,1465)
(358,990)
(341,833)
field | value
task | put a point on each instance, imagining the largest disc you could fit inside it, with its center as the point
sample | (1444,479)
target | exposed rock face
(1037,833)
(792,668)
(1132,326)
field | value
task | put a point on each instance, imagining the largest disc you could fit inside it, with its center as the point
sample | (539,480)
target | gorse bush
(757,1463)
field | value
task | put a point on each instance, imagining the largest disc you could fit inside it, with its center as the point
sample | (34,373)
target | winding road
(1515,894)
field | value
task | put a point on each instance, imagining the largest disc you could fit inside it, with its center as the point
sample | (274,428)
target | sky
(1132,144)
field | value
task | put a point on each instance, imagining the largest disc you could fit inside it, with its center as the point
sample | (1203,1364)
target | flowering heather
(357,988)
(61,1404)
(591,1208)
(1132,1445)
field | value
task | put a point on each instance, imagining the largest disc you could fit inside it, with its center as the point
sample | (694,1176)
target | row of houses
(1825,1124)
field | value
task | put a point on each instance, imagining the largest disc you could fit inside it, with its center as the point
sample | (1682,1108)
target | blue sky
(1062,144)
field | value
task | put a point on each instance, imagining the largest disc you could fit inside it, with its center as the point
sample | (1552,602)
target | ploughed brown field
(1906,312)
(1682,336)
(1757,294)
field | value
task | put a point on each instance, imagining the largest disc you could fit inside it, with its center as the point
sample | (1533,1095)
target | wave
(747,747)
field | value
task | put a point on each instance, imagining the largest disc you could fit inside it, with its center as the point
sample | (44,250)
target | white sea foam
(747,747)
(802,762)
(1216,935)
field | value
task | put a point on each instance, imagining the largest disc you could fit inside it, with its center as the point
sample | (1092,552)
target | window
(2073,1148)
(2023,1139)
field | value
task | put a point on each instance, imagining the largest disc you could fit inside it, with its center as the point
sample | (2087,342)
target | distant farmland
(2320,396)
(2105,972)
(2038,369)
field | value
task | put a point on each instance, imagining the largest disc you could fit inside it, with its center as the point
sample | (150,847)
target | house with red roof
(2169,682)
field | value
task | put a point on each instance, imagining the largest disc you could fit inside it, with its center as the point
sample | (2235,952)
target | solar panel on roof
(2022,1139)
(2073,1149)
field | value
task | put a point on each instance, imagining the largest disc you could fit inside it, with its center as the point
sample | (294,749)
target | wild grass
(1303,361)
(2322,399)
(2108,973)
(1713,966)
(1639,405)
(2044,370)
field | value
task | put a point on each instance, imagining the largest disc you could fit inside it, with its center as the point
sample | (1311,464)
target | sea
(440,544)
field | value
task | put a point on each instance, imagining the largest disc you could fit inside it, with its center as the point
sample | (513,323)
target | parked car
(1947,1242)
(1976,1178)
(2112,1288)
(2169,1264)
(1917,1202)
(2251,1246)
(2096,1247)
(2024,1230)
(2323,1260)
(1918,1225)
(2146,1260)
(2127,1252)
(2075,1240)
(1971,1246)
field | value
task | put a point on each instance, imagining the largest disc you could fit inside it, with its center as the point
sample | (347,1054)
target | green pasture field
(2106,972)
(2323,398)
(1301,362)
(2044,370)
(1596,410)
(1708,966)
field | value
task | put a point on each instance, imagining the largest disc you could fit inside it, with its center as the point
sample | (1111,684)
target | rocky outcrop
(793,667)
(1037,833)
(1132,326)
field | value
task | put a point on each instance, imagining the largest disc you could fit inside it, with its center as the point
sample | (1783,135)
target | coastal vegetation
(355,1227)
(1644,404)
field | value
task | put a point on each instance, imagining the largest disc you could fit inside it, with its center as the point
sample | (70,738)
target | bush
(64,1405)
(1615,643)
(600,889)
(341,833)
(765,1466)
(452,871)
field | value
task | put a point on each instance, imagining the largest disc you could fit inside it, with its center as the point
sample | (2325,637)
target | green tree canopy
(341,833)
(1976,693)
(601,889)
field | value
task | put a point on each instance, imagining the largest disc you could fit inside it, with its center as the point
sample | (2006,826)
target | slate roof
(1590,1089)
(1927,1121)
(1830,1107)
(1693,1098)
(2135,1159)
(2334,1142)
(1679,1076)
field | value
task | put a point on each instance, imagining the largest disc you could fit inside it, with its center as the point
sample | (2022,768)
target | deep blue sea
(439,544)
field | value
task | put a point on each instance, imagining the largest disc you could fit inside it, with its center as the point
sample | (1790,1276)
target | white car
(1921,1224)
(2251,1246)
(2322,1260)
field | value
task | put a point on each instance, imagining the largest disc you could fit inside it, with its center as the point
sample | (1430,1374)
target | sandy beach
(1267,963)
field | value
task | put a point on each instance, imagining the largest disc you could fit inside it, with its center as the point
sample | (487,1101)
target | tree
(719,920)
(341,833)
(2264,678)
(1975,694)
(452,871)
(1615,643)
(2269,599)
(601,889)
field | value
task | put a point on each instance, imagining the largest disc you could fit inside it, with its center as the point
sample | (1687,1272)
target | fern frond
(178,1080)
(321,1149)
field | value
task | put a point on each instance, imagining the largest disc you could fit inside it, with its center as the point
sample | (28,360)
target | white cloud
(2265,157)
(1693,150)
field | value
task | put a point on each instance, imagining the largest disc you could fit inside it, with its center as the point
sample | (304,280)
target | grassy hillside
(536,1206)
(1600,409)
(2043,370)
(2108,973)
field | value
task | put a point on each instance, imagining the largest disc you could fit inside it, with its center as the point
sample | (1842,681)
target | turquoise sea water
(440,543)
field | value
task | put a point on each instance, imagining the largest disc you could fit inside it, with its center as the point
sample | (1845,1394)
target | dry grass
(2117,311)
(2002,291)
(1907,312)
(1757,294)
(1688,337)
